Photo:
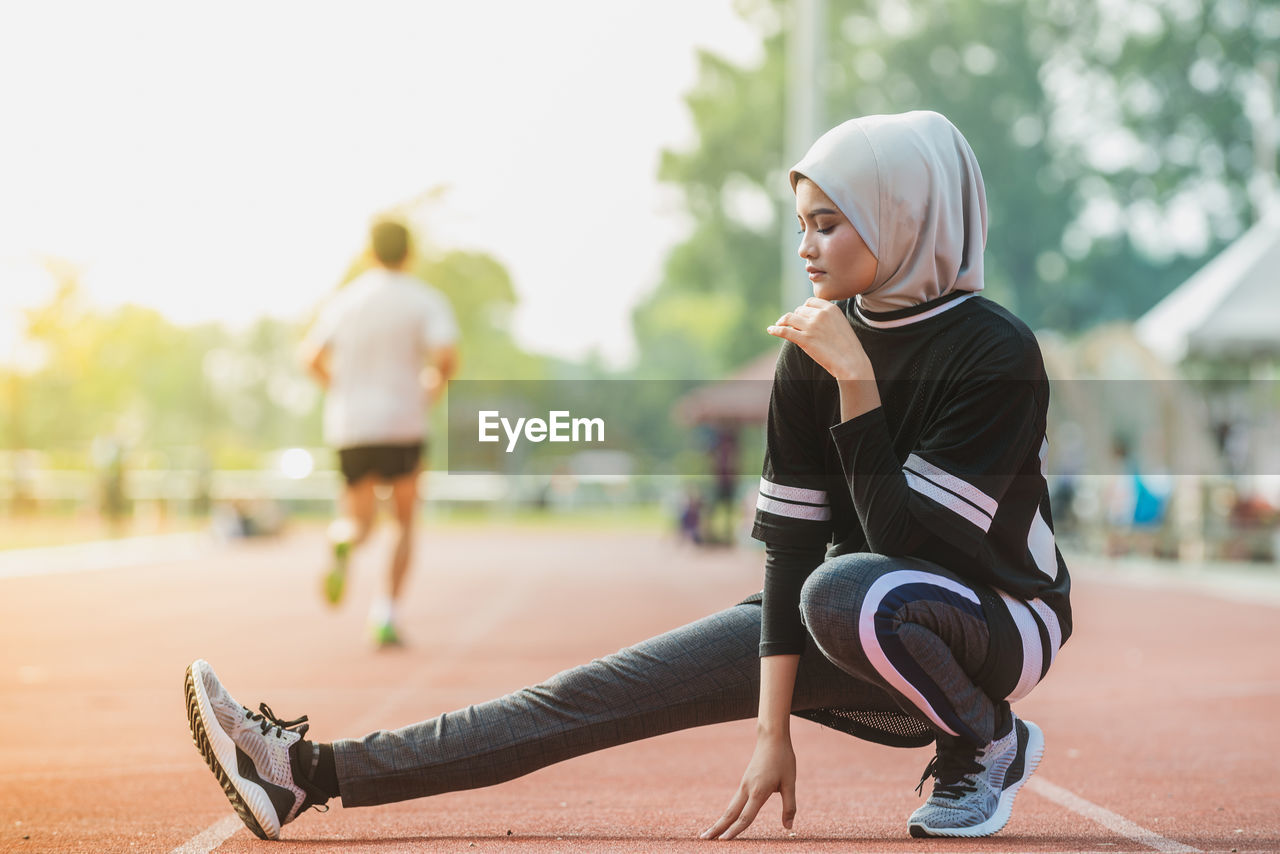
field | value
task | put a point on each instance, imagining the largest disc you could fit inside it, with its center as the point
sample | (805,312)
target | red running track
(1160,716)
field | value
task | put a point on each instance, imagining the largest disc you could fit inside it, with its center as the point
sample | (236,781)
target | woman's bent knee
(831,600)
(837,587)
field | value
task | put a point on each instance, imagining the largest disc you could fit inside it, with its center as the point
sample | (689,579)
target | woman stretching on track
(912,585)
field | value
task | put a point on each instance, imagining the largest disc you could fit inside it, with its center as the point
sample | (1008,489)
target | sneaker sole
(1004,808)
(248,799)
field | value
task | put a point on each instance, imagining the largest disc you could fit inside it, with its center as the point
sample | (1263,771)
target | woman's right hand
(772,769)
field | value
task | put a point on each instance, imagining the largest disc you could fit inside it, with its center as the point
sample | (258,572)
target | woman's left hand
(821,329)
(772,769)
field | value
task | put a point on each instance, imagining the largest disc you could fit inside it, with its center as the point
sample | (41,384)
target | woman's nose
(806,249)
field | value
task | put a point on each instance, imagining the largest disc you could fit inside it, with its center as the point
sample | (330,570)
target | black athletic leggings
(889,634)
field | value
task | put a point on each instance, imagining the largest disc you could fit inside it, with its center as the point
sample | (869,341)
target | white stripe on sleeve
(1040,544)
(953,503)
(794,511)
(792,493)
(966,490)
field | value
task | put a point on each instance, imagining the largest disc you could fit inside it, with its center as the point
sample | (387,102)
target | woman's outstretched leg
(703,673)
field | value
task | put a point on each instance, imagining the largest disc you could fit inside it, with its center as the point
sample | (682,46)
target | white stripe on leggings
(871,644)
(1050,620)
(1032,648)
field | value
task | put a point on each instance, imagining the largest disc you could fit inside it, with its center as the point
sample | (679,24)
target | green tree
(128,372)
(131,374)
(483,298)
(1154,104)
(203,392)
(261,397)
(720,287)
(1022,81)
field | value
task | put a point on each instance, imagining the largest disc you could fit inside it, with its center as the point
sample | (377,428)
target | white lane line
(211,837)
(1117,823)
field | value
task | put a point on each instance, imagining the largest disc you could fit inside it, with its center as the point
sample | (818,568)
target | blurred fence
(1189,517)
(190,489)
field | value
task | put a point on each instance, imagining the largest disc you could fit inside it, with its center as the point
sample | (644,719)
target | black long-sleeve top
(950,467)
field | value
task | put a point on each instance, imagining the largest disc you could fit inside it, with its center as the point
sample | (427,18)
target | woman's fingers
(796,320)
(800,320)
(729,816)
(749,812)
(788,804)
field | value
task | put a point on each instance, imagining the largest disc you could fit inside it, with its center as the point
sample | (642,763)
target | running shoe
(335,580)
(262,762)
(974,788)
(385,635)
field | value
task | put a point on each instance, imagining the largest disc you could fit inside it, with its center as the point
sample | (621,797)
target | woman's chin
(830,292)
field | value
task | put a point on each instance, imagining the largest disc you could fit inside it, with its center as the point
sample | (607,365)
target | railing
(181,486)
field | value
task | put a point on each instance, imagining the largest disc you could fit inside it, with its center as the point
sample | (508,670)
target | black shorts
(387,462)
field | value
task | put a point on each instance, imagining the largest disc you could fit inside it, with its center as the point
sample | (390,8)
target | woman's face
(837,260)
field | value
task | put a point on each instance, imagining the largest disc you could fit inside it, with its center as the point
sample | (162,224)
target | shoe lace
(954,768)
(267,720)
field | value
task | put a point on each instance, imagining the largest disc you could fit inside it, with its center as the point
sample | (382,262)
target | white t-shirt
(379,330)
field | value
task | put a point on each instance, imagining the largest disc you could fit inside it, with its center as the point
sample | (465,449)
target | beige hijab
(910,185)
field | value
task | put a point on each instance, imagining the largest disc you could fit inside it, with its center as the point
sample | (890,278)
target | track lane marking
(211,837)
(1105,817)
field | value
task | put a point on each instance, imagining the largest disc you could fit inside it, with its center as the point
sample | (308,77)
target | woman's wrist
(773,731)
(853,372)
(857,397)
(853,366)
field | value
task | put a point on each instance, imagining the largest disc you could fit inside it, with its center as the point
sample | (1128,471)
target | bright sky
(221,162)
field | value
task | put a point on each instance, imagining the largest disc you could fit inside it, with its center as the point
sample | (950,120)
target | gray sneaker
(261,761)
(973,789)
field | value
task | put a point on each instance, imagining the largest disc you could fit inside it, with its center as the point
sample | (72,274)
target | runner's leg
(404,497)
(360,505)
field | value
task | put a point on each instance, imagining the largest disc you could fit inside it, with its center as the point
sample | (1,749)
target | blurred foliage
(1116,149)
(720,287)
(205,396)
(130,376)
(1113,138)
